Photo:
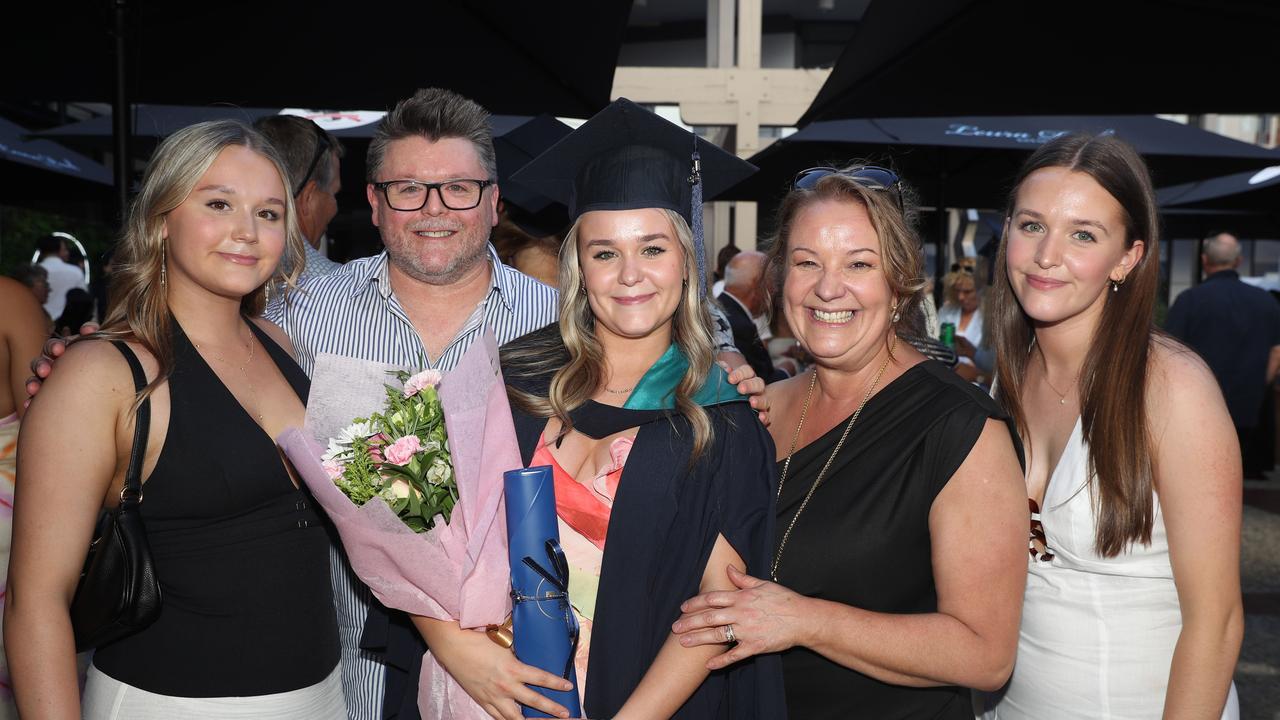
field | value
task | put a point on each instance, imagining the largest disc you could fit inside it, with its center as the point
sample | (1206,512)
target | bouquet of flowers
(400,454)
(420,514)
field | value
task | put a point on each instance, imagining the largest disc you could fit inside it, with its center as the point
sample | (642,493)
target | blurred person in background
(1235,327)
(963,309)
(312,157)
(78,311)
(54,258)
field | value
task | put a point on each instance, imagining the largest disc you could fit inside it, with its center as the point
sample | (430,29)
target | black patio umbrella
(1256,190)
(971,161)
(513,58)
(17,146)
(1246,203)
(1012,57)
(42,174)
(152,123)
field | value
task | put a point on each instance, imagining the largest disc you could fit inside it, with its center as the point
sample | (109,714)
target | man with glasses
(311,157)
(432,187)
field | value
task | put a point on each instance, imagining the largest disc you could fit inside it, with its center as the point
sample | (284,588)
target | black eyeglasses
(957,267)
(411,195)
(872,177)
(322,148)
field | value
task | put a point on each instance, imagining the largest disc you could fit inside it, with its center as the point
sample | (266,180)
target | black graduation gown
(665,519)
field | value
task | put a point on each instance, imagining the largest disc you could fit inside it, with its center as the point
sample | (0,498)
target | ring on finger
(729,635)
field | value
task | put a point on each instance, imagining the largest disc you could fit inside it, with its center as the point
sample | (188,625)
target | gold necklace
(253,391)
(619,392)
(1062,396)
(777,558)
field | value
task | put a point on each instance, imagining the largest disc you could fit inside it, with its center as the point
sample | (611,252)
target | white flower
(439,473)
(348,434)
(336,451)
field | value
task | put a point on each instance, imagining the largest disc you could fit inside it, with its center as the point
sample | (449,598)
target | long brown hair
(1113,379)
(578,380)
(139,308)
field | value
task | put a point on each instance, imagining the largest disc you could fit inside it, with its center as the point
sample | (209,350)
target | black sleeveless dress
(863,540)
(241,554)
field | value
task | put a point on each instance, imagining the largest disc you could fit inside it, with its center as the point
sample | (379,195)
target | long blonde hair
(578,380)
(139,307)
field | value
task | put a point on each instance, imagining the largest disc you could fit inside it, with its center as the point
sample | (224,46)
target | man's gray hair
(745,268)
(297,139)
(434,114)
(1221,249)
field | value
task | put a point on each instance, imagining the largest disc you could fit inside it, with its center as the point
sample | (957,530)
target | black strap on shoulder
(132,491)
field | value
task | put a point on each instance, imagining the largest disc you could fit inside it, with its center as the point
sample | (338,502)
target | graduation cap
(627,158)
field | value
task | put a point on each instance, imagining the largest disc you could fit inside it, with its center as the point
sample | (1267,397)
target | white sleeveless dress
(1097,633)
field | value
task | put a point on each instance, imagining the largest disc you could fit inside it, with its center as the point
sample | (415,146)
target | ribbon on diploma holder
(546,632)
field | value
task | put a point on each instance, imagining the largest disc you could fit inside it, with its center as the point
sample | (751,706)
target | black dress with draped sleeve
(863,540)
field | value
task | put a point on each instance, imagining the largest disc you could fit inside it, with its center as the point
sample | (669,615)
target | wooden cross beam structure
(741,95)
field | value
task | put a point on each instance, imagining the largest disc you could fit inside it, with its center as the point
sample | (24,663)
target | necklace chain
(619,392)
(777,558)
(1062,396)
(253,391)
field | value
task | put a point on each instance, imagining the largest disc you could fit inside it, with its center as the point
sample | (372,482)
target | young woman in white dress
(1132,606)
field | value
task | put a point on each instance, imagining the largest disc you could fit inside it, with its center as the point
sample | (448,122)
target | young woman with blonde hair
(246,623)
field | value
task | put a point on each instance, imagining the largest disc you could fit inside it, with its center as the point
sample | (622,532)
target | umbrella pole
(940,256)
(120,114)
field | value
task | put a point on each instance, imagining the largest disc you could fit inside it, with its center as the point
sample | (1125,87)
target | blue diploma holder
(545,630)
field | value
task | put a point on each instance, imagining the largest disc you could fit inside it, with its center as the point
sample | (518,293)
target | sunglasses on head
(957,267)
(872,177)
(322,148)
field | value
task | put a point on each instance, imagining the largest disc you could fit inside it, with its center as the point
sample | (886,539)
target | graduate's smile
(634,299)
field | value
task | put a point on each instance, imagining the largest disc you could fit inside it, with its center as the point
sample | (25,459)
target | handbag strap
(131,493)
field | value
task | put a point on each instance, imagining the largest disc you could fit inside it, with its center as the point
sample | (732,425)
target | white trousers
(106,698)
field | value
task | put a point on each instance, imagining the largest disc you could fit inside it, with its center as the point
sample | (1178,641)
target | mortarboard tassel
(699,244)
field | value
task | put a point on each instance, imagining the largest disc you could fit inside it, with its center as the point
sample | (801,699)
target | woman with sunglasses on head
(896,577)
(245,625)
(1133,605)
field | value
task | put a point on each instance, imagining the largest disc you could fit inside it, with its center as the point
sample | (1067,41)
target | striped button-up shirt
(353,312)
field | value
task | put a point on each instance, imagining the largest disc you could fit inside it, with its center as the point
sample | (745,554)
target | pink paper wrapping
(457,571)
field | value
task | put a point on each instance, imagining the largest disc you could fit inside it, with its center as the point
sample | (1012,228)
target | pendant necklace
(1062,396)
(777,558)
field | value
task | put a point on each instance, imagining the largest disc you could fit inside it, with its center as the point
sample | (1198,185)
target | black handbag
(118,593)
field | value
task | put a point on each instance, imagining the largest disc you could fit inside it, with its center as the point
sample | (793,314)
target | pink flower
(421,381)
(333,468)
(401,451)
(375,454)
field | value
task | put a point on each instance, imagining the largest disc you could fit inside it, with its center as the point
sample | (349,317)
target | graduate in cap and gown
(664,477)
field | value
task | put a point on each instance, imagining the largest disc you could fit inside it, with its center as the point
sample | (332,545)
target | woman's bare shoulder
(275,332)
